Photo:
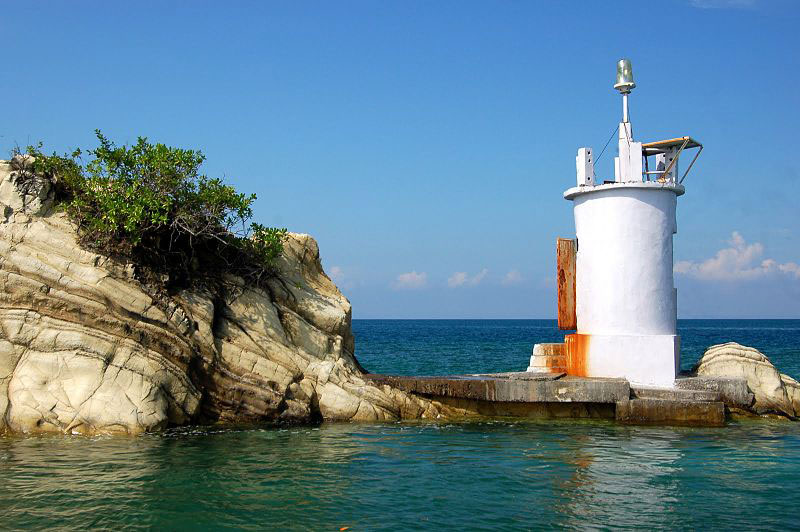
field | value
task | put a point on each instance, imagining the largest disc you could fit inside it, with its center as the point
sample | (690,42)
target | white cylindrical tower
(624,279)
(626,302)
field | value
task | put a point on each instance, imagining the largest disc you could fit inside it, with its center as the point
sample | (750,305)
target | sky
(426,145)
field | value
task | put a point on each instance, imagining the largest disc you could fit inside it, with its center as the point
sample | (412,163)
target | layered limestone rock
(774,392)
(792,392)
(84,348)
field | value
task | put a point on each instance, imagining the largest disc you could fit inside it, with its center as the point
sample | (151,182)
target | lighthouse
(615,279)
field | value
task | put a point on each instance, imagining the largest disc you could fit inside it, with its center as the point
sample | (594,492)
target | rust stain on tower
(566,250)
(576,347)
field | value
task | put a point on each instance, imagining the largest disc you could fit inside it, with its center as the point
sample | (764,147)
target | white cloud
(723,4)
(740,261)
(336,273)
(457,279)
(791,268)
(410,281)
(512,277)
(478,277)
(461,278)
(342,279)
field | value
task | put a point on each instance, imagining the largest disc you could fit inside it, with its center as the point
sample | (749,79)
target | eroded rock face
(792,392)
(774,393)
(83,348)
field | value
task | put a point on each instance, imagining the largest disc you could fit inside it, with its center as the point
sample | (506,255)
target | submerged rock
(85,348)
(774,393)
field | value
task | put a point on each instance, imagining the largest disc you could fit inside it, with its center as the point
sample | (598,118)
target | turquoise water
(426,476)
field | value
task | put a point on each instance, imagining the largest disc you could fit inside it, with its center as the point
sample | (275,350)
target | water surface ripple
(455,476)
(498,475)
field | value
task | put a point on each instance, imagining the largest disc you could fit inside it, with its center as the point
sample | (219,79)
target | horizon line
(555,319)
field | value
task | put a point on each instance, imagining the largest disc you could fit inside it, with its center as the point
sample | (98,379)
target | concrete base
(548,358)
(732,391)
(520,387)
(691,401)
(469,408)
(651,360)
(670,412)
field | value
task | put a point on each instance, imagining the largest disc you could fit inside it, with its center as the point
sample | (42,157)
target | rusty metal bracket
(662,178)
(696,155)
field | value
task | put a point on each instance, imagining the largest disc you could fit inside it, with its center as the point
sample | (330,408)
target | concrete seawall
(693,401)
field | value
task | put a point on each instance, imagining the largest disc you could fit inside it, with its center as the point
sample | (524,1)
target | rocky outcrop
(84,347)
(774,392)
(792,392)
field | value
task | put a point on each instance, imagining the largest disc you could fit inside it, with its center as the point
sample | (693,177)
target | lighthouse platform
(692,401)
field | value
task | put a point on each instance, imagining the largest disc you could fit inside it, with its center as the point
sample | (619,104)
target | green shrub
(149,204)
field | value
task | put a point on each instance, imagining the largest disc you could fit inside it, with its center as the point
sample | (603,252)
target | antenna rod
(625,107)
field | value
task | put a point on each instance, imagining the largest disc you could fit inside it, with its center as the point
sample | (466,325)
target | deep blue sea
(452,347)
(480,475)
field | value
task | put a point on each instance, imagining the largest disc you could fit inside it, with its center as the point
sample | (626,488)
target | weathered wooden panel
(566,249)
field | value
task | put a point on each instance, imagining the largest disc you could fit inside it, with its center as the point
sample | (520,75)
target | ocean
(479,475)
(453,347)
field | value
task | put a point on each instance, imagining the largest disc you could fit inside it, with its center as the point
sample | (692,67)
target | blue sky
(426,145)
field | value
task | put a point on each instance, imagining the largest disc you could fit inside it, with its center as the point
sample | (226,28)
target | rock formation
(85,348)
(774,392)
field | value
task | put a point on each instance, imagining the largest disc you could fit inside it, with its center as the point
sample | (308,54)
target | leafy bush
(149,204)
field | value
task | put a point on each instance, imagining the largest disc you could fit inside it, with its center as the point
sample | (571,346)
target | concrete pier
(693,401)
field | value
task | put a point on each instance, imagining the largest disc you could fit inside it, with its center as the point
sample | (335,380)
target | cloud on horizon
(410,281)
(512,277)
(741,261)
(340,278)
(461,278)
(336,273)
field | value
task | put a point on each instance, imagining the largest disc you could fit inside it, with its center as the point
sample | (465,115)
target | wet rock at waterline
(774,392)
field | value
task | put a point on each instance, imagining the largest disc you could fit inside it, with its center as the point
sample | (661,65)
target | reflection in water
(632,478)
(499,475)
